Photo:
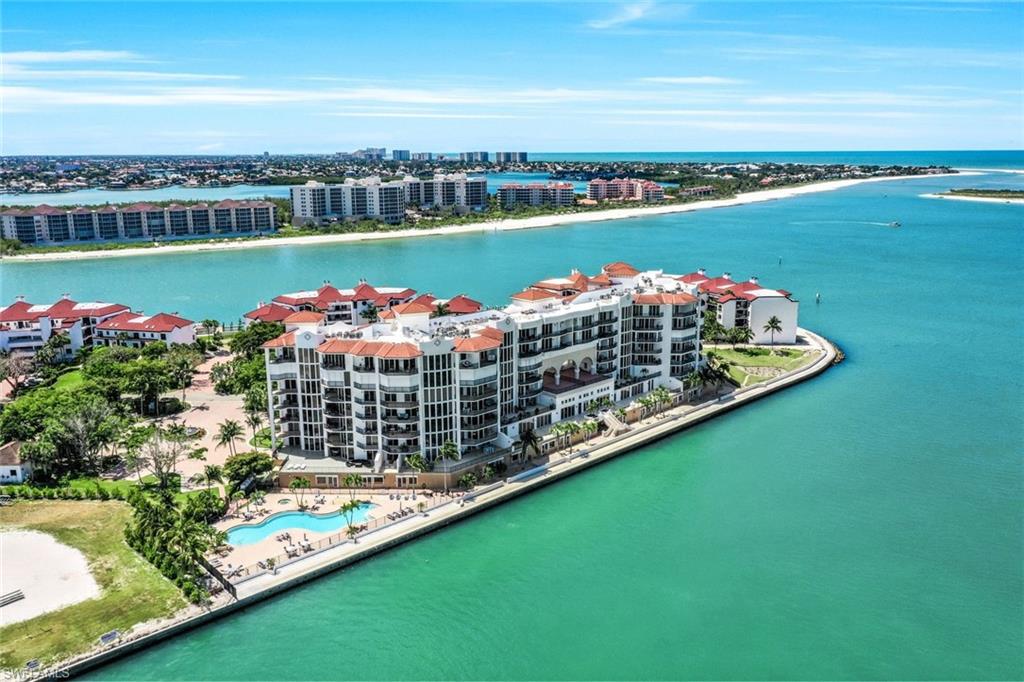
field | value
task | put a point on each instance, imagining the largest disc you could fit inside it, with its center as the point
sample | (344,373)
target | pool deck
(265,585)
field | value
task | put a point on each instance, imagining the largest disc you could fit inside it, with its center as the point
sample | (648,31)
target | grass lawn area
(785,359)
(132,591)
(126,484)
(69,380)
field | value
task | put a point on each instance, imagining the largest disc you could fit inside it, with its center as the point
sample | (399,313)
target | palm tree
(181,369)
(530,441)
(571,429)
(440,310)
(212,473)
(590,427)
(210,325)
(450,451)
(228,432)
(352,481)
(299,485)
(773,326)
(744,334)
(255,421)
(347,510)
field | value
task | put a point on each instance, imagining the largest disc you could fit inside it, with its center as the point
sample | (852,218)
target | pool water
(248,534)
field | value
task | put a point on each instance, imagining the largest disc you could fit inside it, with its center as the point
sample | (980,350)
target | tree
(15,368)
(449,451)
(743,334)
(228,431)
(417,463)
(371,314)
(163,453)
(149,378)
(300,485)
(352,481)
(248,342)
(530,441)
(210,325)
(131,442)
(773,326)
(440,310)
(182,367)
(255,421)
(213,473)
(89,430)
(590,428)
(467,480)
(54,349)
(348,510)
(247,465)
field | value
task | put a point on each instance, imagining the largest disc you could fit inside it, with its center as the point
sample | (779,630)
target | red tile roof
(304,316)
(270,312)
(475,344)
(620,269)
(533,295)
(133,322)
(663,299)
(412,309)
(363,348)
(493,333)
(463,305)
(285,340)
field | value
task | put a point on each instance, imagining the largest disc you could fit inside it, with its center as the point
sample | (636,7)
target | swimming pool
(248,534)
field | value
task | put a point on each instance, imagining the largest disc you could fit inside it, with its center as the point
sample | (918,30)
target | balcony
(478,394)
(606,355)
(479,438)
(488,406)
(530,392)
(529,366)
(399,403)
(399,371)
(401,419)
(399,433)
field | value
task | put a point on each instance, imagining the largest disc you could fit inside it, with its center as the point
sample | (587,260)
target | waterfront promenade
(559,466)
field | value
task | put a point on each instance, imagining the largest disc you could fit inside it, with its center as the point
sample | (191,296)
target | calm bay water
(867,524)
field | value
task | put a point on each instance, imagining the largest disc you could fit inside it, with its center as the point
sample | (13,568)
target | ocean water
(867,524)
(1005,159)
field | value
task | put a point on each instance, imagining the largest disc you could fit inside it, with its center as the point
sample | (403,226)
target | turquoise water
(1007,158)
(865,525)
(249,534)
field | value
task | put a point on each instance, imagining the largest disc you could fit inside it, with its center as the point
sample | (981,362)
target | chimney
(65,296)
(753,279)
(702,272)
(727,275)
(20,298)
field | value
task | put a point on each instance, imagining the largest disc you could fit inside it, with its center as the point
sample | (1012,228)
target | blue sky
(235,77)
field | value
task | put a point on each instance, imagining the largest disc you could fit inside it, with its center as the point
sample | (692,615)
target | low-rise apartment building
(513,194)
(50,225)
(748,304)
(627,189)
(25,327)
(370,395)
(136,330)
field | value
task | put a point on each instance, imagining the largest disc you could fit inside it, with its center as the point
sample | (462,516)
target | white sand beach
(52,575)
(987,200)
(483,226)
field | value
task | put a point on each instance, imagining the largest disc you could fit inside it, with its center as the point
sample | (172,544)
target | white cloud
(68,56)
(14,72)
(421,114)
(692,80)
(626,14)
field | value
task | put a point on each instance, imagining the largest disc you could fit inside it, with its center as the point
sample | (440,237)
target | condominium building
(47,224)
(628,189)
(354,306)
(701,191)
(474,157)
(344,397)
(447,189)
(136,330)
(25,327)
(423,156)
(510,157)
(354,199)
(400,155)
(536,194)
(748,304)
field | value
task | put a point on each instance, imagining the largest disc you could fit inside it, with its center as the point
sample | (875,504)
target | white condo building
(748,304)
(372,198)
(536,194)
(343,394)
(47,224)
(510,157)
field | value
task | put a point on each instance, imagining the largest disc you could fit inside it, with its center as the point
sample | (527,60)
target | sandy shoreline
(987,200)
(487,226)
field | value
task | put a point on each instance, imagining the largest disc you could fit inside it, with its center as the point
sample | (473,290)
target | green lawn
(786,359)
(126,484)
(132,591)
(262,439)
(69,380)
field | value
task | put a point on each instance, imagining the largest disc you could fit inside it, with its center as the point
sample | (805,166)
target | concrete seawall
(267,585)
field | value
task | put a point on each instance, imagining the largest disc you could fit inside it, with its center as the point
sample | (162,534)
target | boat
(894,224)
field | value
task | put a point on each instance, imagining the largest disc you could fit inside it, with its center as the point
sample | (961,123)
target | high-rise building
(345,397)
(400,155)
(364,198)
(510,157)
(447,189)
(423,156)
(474,157)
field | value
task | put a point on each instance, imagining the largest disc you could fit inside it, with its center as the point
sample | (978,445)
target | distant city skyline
(227,78)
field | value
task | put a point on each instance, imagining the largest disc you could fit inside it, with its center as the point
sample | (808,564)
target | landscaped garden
(749,365)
